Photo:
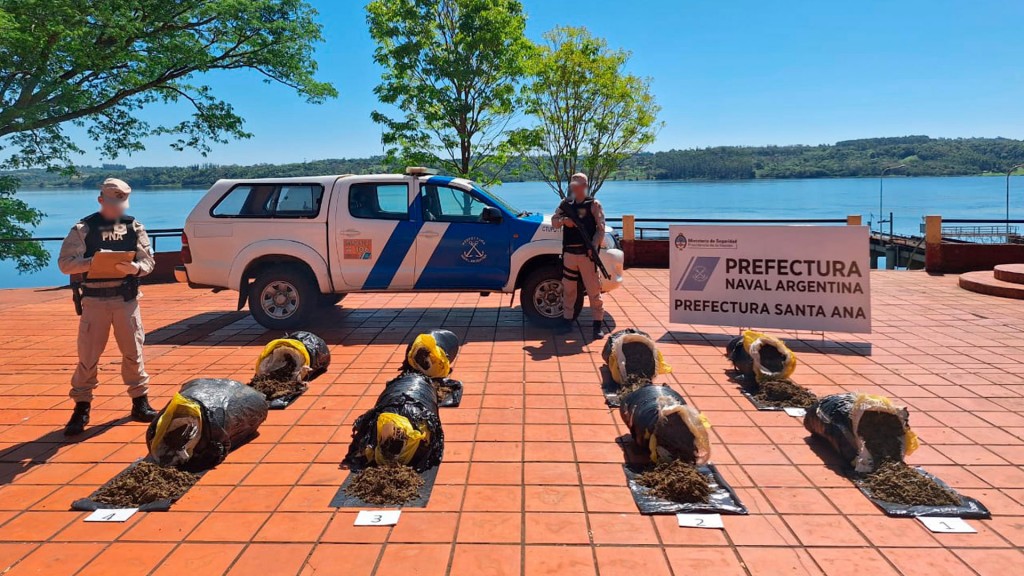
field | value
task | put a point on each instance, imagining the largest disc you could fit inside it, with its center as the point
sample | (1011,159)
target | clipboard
(103,264)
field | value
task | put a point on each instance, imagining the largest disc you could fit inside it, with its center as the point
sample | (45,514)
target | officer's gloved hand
(127,268)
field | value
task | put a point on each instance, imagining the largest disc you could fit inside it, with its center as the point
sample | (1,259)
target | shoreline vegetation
(922,155)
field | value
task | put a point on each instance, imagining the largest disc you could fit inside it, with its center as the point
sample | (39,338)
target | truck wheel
(541,296)
(282,297)
(329,300)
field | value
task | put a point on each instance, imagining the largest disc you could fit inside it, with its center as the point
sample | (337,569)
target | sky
(725,72)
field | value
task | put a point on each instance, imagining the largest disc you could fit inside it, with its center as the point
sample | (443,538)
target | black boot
(79,418)
(598,330)
(141,410)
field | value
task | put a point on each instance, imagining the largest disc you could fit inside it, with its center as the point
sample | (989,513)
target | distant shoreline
(177,187)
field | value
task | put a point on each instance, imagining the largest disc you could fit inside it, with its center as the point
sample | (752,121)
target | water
(908,198)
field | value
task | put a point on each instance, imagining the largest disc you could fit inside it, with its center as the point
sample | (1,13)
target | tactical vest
(574,237)
(103,234)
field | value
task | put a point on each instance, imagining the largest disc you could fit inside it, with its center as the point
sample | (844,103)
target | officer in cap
(106,302)
(578,245)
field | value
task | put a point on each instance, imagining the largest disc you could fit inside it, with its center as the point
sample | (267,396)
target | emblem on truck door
(358,249)
(473,250)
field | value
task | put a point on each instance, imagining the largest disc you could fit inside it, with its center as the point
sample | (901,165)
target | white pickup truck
(290,245)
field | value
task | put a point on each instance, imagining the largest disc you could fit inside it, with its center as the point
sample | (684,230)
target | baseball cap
(580,177)
(115,191)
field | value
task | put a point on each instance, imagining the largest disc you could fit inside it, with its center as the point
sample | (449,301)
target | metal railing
(154,235)
(981,230)
(646,232)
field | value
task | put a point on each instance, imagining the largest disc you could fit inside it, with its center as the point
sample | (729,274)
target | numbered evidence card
(377,517)
(786,277)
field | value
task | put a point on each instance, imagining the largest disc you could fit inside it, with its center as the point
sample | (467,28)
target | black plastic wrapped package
(606,351)
(740,358)
(838,420)
(316,347)
(432,353)
(664,427)
(405,416)
(229,412)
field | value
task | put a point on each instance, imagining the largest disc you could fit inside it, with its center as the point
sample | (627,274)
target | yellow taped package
(390,426)
(178,407)
(753,341)
(617,361)
(874,402)
(268,350)
(438,364)
(698,426)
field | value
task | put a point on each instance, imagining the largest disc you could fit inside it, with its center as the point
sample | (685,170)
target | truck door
(462,245)
(375,235)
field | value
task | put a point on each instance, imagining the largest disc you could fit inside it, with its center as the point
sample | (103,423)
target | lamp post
(881,181)
(1008,174)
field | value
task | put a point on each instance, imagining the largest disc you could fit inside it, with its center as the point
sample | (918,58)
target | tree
(451,67)
(590,115)
(15,215)
(97,64)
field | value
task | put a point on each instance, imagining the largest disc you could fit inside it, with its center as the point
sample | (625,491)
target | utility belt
(127,290)
(575,249)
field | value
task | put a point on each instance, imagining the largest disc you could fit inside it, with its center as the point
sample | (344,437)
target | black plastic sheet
(282,402)
(969,508)
(410,395)
(89,505)
(343,500)
(723,499)
(231,412)
(758,404)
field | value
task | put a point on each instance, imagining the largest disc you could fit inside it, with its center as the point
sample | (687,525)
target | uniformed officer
(108,302)
(578,248)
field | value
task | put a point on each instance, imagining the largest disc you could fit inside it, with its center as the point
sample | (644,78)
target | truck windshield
(499,200)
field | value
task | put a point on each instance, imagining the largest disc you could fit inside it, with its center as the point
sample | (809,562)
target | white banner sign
(788,277)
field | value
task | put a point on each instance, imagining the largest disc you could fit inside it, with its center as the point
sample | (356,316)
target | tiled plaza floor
(531,481)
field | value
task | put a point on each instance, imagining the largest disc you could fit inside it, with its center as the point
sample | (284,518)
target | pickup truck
(291,245)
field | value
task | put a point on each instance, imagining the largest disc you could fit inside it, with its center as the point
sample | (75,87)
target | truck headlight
(610,241)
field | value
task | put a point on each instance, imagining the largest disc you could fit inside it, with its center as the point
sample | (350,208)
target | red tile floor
(531,481)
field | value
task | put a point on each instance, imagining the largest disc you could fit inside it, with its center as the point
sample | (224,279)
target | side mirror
(491,215)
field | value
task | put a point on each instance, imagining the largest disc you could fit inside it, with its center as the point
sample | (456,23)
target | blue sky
(726,72)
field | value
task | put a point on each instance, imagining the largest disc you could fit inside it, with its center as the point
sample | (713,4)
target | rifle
(76,292)
(595,253)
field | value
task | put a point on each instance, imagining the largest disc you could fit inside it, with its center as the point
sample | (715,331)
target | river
(908,198)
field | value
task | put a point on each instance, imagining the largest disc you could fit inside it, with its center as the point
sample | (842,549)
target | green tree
(96,64)
(451,67)
(590,114)
(15,219)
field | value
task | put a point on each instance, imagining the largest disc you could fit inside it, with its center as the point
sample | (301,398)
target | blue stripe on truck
(401,241)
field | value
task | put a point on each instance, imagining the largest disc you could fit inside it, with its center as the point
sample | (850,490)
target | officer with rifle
(110,301)
(581,219)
